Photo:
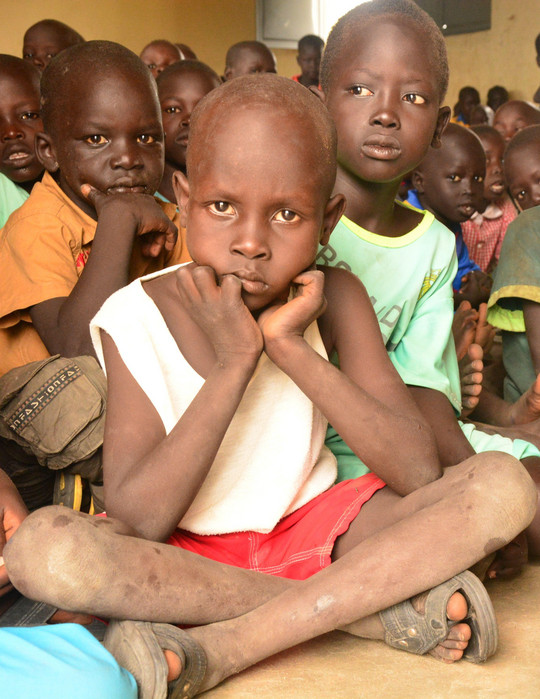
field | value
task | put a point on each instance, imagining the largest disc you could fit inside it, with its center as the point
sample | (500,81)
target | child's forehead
(85,88)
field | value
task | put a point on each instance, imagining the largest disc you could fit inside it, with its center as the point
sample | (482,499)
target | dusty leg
(470,372)
(99,566)
(465,515)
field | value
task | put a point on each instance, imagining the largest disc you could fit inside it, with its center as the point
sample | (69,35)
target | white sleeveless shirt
(272,459)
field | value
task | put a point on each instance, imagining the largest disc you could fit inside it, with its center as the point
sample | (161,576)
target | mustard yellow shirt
(44,247)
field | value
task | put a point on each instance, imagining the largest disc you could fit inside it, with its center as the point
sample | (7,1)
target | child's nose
(126,156)
(249,241)
(384,115)
(9,130)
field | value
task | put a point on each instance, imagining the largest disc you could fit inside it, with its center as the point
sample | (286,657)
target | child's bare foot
(509,560)
(485,332)
(470,373)
(527,407)
(464,327)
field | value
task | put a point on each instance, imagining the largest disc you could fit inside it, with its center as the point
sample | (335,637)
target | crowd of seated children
(19,123)
(449,182)
(513,116)
(181,86)
(484,232)
(310,48)
(253,487)
(45,39)
(159,54)
(515,299)
(248,57)
(98,199)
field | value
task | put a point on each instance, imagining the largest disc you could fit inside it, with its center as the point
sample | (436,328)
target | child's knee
(47,545)
(507,489)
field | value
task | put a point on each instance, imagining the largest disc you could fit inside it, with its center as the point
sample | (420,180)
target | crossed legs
(395,549)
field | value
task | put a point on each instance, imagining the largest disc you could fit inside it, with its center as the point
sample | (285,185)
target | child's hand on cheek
(140,213)
(220,312)
(289,320)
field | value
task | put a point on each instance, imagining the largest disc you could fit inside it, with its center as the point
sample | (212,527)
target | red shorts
(300,544)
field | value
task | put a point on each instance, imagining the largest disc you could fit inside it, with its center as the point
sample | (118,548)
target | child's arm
(62,323)
(12,513)
(366,402)
(531,313)
(151,479)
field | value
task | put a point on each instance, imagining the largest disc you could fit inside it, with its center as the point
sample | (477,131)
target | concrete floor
(338,665)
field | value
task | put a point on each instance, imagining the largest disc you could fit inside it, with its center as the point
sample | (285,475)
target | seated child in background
(513,116)
(515,300)
(19,123)
(51,286)
(180,87)
(238,384)
(248,57)
(405,258)
(45,39)
(496,97)
(188,54)
(479,116)
(159,54)
(310,48)
(484,232)
(468,99)
(449,183)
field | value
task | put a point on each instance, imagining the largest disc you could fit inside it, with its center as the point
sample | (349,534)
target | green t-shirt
(11,197)
(409,280)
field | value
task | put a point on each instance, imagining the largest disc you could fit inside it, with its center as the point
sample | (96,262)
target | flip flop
(409,630)
(138,646)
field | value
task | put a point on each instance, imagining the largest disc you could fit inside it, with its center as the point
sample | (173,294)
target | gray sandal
(138,646)
(409,630)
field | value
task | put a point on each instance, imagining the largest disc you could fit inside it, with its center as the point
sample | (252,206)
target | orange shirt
(43,249)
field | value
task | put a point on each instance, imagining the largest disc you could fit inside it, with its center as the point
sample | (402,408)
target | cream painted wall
(503,55)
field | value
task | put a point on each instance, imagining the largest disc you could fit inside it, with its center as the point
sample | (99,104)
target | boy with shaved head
(103,152)
(220,389)
(247,57)
(45,39)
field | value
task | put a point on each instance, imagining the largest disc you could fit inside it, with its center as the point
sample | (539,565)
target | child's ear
(333,212)
(181,192)
(45,152)
(442,121)
(227,74)
(417,180)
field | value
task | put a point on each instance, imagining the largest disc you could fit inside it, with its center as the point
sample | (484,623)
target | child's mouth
(127,189)
(381,147)
(251,283)
(496,188)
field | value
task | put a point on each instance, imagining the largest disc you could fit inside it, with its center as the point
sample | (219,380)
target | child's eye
(146,138)
(96,139)
(454,178)
(30,116)
(151,66)
(413,98)
(222,207)
(478,178)
(28,55)
(360,91)
(521,195)
(286,216)
(172,110)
